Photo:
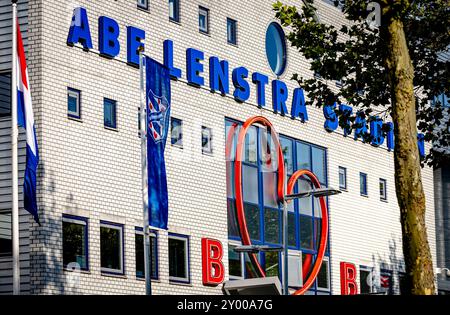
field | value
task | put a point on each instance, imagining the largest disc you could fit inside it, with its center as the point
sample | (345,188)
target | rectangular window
(179,258)
(235,263)
(363,184)
(386,285)
(365,280)
(73,103)
(110,113)
(111,248)
(206,140)
(139,247)
(176,132)
(272,264)
(75,241)
(323,278)
(403,284)
(142,4)
(383,191)
(232,31)
(5,94)
(203,20)
(5,234)
(342,178)
(174,10)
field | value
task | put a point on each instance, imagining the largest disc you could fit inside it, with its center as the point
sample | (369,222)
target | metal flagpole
(143,132)
(14,159)
(285,238)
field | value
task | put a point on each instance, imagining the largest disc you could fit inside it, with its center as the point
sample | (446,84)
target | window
(5,234)
(203,20)
(441,100)
(323,277)
(75,241)
(365,280)
(139,247)
(5,94)
(383,191)
(386,285)
(363,184)
(342,178)
(111,248)
(179,258)
(207,140)
(73,103)
(235,263)
(142,4)
(176,132)
(276,51)
(231,31)
(174,10)
(403,284)
(110,113)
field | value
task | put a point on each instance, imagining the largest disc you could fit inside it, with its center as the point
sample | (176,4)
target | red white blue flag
(25,119)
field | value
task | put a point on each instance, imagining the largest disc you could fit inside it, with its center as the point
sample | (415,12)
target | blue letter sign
(134,42)
(194,66)
(361,129)
(79,29)
(242,91)
(346,112)
(261,81)
(299,105)
(332,121)
(389,135)
(175,73)
(279,97)
(218,75)
(376,132)
(108,34)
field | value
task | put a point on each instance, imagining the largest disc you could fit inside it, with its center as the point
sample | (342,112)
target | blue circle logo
(276,48)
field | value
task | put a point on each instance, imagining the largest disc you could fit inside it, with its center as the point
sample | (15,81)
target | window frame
(242,262)
(180,121)
(390,274)
(208,151)
(344,187)
(80,221)
(383,193)
(71,92)
(110,102)
(371,271)
(8,77)
(7,254)
(177,18)
(205,11)
(145,7)
(365,192)
(153,233)
(322,289)
(120,228)
(186,239)
(234,29)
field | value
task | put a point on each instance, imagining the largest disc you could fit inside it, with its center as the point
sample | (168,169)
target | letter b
(213,269)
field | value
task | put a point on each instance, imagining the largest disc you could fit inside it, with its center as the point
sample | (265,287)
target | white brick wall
(94,171)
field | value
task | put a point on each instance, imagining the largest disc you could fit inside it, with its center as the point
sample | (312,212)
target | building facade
(86,101)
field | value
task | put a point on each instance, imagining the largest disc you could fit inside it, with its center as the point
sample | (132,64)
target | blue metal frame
(122,248)
(86,240)
(296,212)
(187,237)
(79,103)
(154,277)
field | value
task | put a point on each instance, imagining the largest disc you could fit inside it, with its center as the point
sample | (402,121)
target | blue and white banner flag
(158,109)
(25,119)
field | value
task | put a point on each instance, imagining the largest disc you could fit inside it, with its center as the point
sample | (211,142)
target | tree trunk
(408,181)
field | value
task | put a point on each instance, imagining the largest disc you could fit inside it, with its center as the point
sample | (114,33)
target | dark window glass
(306,232)
(291,230)
(110,108)
(404,284)
(272,264)
(140,263)
(386,285)
(174,10)
(143,4)
(363,183)
(253,220)
(111,249)
(250,272)
(178,259)
(5,234)
(203,20)
(307,264)
(231,31)
(317,231)
(232,219)
(73,103)
(5,94)
(365,280)
(271,226)
(176,132)
(234,262)
(206,140)
(342,178)
(383,193)
(318,161)
(323,277)
(75,243)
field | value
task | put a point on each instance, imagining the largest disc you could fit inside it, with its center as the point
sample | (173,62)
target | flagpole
(143,133)
(14,159)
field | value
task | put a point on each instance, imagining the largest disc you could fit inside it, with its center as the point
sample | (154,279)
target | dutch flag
(25,119)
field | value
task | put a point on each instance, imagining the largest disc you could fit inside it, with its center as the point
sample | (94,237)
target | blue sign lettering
(376,132)
(346,112)
(108,37)
(389,128)
(421,144)
(261,81)
(175,73)
(361,126)
(135,36)
(79,31)
(299,105)
(242,91)
(218,75)
(279,97)
(330,115)
(194,66)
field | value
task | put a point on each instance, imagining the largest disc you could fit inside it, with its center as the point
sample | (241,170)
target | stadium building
(229,62)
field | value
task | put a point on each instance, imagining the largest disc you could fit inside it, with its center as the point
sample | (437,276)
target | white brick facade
(94,172)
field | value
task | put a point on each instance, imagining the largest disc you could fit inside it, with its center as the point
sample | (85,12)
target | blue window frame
(139,248)
(110,113)
(363,184)
(203,20)
(231,31)
(176,132)
(342,178)
(174,10)
(263,214)
(142,4)
(383,189)
(75,242)
(112,258)
(179,260)
(74,103)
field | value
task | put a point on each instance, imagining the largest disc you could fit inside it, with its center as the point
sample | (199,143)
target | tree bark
(408,180)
